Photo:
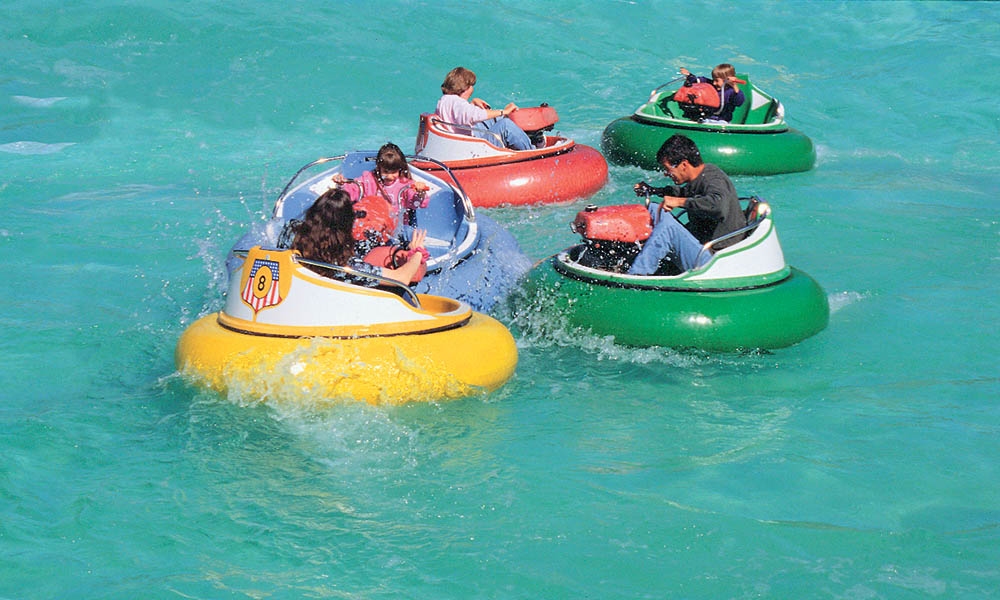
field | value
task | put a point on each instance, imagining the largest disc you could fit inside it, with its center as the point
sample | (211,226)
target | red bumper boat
(556,170)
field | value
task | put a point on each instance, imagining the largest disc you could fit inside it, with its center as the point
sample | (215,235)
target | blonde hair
(457,81)
(723,72)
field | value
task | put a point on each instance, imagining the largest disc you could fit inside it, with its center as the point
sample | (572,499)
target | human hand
(672,202)
(509,109)
(338,178)
(417,241)
(643,189)
(420,255)
(480,103)
(684,71)
(420,186)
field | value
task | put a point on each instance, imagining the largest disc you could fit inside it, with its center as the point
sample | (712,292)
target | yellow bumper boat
(288,333)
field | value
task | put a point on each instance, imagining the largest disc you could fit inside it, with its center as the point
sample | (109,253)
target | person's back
(713,207)
(457,106)
(452,108)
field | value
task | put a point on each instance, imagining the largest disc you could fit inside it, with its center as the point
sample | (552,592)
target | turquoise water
(138,140)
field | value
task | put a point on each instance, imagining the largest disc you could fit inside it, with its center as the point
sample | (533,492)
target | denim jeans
(513,136)
(670,240)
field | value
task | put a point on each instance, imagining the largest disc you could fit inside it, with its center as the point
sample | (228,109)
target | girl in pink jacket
(391,180)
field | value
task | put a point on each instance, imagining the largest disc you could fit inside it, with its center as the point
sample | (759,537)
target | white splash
(839,300)
(37,102)
(33,147)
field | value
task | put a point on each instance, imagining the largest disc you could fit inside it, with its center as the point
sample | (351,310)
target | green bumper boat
(756,142)
(746,297)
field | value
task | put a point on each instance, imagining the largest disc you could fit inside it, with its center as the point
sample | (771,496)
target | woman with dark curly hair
(324,235)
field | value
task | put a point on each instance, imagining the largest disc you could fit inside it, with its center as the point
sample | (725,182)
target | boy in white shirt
(456,107)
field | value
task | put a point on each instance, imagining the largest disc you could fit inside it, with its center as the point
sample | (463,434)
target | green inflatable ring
(773,315)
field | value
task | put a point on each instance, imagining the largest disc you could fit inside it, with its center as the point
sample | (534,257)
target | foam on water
(23,147)
(39,102)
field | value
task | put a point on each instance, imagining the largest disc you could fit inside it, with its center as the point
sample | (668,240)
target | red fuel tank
(534,118)
(625,223)
(700,94)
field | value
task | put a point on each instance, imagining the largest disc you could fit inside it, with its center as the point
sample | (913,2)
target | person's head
(722,73)
(324,234)
(680,158)
(457,81)
(390,164)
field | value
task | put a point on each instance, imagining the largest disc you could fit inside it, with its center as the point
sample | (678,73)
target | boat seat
(466,130)
(772,111)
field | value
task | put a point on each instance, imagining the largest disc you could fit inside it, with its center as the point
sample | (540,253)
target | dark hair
(324,234)
(457,81)
(677,149)
(390,158)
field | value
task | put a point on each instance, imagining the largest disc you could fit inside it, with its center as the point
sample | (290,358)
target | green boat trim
(564,264)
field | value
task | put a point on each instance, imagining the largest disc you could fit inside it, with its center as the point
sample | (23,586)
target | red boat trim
(433,167)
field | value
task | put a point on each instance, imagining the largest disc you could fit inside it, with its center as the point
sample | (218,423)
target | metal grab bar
(470,129)
(318,161)
(470,212)
(653,93)
(409,294)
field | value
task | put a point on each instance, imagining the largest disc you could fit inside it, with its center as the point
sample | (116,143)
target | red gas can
(625,223)
(700,94)
(535,118)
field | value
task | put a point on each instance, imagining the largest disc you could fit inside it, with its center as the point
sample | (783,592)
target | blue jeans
(513,136)
(670,240)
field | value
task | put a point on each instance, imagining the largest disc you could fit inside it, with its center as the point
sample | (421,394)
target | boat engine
(612,235)
(535,121)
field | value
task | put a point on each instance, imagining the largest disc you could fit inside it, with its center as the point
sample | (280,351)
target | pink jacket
(400,192)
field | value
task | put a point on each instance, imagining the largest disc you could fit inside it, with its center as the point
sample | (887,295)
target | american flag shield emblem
(261,290)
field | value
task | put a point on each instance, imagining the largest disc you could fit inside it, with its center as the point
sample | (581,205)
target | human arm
(644,189)
(735,97)
(504,112)
(414,195)
(689,77)
(708,195)
(418,255)
(355,191)
(672,202)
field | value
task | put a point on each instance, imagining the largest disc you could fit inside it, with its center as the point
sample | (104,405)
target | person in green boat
(724,80)
(711,202)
